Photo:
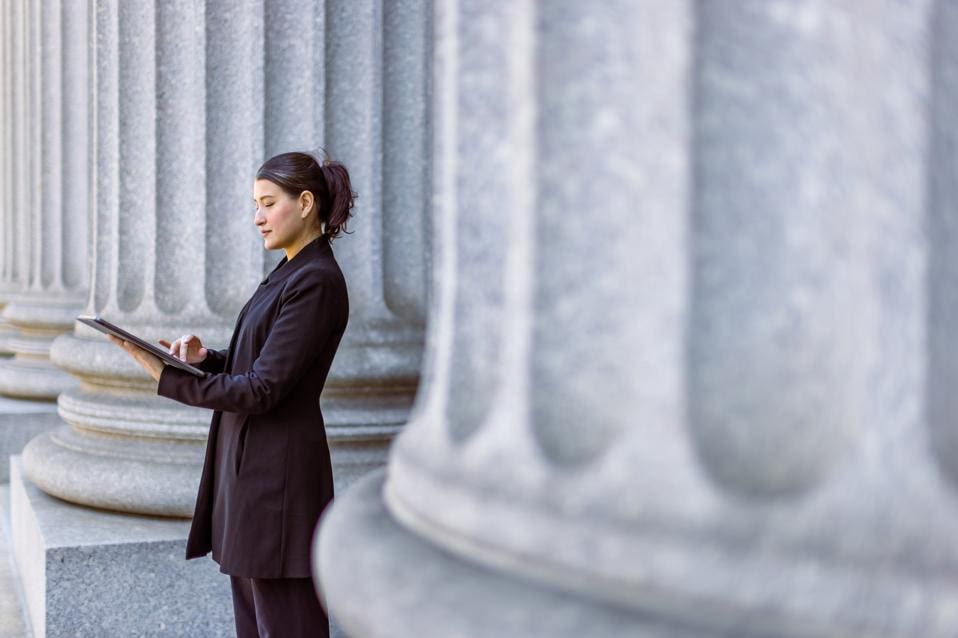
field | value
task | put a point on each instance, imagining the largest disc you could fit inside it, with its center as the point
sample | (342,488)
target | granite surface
(383,574)
(13,618)
(691,350)
(88,572)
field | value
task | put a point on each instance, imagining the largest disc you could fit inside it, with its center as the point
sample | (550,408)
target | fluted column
(175,250)
(374,121)
(51,201)
(9,278)
(182,122)
(715,398)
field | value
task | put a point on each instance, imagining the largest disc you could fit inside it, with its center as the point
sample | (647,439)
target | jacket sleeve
(308,315)
(215,360)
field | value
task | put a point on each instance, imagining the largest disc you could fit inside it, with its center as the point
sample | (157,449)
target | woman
(267,475)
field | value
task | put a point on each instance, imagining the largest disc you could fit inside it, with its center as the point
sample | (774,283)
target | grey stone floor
(13,621)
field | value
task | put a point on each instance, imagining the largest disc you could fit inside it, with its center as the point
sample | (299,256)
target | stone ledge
(88,572)
(13,617)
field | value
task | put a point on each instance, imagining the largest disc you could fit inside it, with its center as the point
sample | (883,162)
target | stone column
(175,250)
(188,258)
(9,73)
(44,209)
(692,379)
(49,248)
(374,121)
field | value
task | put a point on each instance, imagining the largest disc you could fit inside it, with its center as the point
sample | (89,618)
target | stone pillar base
(20,421)
(143,476)
(32,379)
(356,452)
(364,553)
(93,573)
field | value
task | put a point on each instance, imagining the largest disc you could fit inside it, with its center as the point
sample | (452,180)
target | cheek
(278,217)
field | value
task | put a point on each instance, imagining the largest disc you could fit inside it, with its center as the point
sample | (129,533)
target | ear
(306,202)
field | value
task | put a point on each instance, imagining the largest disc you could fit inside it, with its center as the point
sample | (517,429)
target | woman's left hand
(152,364)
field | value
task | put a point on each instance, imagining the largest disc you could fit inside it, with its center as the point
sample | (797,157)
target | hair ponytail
(341,197)
(327,180)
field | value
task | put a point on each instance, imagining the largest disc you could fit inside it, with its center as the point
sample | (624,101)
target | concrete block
(12,613)
(88,572)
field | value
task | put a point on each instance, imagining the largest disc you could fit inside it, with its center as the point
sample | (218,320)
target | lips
(264,233)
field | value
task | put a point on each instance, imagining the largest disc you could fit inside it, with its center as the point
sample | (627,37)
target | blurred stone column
(174,251)
(679,384)
(51,203)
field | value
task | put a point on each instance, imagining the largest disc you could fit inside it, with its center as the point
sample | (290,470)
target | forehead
(264,187)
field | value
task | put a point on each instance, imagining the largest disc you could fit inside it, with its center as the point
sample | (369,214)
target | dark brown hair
(327,180)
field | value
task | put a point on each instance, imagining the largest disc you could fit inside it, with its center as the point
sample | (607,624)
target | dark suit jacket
(267,475)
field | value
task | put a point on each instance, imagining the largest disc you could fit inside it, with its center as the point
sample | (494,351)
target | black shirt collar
(316,248)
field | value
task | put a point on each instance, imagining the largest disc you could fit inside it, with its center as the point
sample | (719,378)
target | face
(282,220)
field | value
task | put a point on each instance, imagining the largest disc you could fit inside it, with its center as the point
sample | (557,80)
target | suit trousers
(277,608)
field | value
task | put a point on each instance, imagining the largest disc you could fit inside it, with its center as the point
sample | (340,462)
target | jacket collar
(314,249)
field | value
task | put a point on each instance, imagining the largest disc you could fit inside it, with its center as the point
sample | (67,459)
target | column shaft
(51,203)
(370,387)
(718,413)
(154,247)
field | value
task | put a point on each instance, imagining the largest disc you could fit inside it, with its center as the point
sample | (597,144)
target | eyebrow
(264,197)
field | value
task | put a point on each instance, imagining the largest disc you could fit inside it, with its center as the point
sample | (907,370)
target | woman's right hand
(187,348)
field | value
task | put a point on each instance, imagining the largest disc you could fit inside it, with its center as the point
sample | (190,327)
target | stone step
(13,617)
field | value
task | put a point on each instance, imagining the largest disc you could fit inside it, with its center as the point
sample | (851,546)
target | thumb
(202,351)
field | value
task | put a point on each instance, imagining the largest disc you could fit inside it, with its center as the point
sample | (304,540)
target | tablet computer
(106,327)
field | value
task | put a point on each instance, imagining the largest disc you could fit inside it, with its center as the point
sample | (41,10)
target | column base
(356,453)
(157,477)
(363,553)
(125,474)
(92,573)
(38,319)
(37,380)
(360,427)
(7,332)
(20,421)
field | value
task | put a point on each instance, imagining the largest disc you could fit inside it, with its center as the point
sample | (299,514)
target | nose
(258,218)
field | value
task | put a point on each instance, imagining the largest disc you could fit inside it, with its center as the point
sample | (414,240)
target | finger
(164,343)
(183,350)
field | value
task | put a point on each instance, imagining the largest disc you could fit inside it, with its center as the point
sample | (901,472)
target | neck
(299,244)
